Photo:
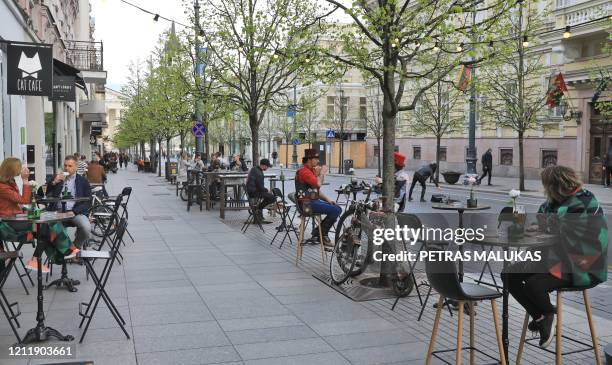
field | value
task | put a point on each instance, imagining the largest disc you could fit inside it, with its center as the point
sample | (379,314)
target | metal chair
(443,277)
(284,208)
(11,310)
(88,309)
(594,345)
(253,209)
(19,265)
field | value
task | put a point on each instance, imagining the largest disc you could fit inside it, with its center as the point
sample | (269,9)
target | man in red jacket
(308,178)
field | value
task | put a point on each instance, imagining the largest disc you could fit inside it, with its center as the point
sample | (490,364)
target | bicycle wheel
(349,227)
(183,193)
(101,216)
(343,258)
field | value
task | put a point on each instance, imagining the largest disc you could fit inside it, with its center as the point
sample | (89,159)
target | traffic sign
(331,133)
(198,130)
(296,141)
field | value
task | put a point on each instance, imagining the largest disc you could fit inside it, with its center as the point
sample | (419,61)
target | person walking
(487,166)
(121,160)
(608,165)
(421,176)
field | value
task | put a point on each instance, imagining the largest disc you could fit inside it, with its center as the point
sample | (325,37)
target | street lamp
(569,114)
(293,108)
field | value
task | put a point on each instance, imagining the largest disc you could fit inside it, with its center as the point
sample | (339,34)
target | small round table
(41,332)
(530,240)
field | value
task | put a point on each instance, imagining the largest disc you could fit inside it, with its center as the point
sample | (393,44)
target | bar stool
(442,276)
(304,217)
(559,334)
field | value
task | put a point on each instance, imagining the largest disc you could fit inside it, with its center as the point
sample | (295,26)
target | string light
(567,33)
(156,17)
(525,41)
(460,47)
(436,48)
(491,44)
(393,45)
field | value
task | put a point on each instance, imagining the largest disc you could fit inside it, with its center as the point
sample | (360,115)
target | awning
(63,69)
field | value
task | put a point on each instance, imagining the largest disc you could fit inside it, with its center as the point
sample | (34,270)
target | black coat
(255,181)
(487,160)
(83,189)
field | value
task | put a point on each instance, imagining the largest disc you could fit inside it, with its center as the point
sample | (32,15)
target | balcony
(573,12)
(93,111)
(89,58)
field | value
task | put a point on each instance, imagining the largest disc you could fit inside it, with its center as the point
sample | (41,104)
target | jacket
(487,160)
(255,181)
(11,200)
(83,189)
(582,250)
(425,172)
(96,174)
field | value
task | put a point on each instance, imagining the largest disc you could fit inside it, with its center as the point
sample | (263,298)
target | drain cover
(158,218)
(160,194)
(355,291)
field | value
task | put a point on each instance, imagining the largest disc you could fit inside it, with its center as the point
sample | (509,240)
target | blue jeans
(331,212)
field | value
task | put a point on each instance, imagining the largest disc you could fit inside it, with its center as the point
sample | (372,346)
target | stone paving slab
(194,290)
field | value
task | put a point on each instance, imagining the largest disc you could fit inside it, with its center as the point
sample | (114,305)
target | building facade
(37,130)
(578,136)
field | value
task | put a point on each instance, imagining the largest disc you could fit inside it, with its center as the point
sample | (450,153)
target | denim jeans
(331,212)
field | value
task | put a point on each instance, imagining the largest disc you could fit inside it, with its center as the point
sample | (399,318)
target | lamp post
(294,163)
(471,152)
(199,142)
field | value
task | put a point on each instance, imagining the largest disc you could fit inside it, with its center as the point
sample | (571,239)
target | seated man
(78,187)
(255,188)
(308,178)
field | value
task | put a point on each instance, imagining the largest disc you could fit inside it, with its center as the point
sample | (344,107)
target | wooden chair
(594,345)
(304,217)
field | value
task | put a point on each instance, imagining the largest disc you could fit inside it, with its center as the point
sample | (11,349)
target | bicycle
(100,214)
(353,249)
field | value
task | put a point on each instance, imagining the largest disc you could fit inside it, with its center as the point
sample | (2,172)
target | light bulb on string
(567,33)
(460,47)
(525,41)
(436,48)
(156,17)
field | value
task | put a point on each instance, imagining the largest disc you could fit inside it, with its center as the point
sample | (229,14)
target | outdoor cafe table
(62,201)
(209,177)
(238,181)
(530,240)
(459,208)
(41,332)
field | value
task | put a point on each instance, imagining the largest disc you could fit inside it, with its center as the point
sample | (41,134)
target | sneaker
(409,199)
(547,330)
(32,265)
(533,326)
(72,254)
(423,200)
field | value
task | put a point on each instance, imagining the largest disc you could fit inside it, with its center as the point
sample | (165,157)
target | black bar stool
(442,276)
(11,310)
(594,345)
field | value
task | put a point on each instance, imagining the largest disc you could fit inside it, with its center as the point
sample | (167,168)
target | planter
(451,177)
(472,203)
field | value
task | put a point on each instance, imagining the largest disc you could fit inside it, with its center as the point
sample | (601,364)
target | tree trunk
(254,124)
(340,153)
(438,158)
(206,139)
(388,116)
(167,157)
(378,156)
(142,150)
(521,163)
(159,157)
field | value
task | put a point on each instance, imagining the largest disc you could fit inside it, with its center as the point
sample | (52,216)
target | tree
(511,82)
(436,114)
(396,41)
(307,115)
(373,119)
(339,122)
(260,48)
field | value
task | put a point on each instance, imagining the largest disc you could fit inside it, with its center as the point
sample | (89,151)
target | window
(506,156)
(549,158)
(363,109)
(416,152)
(596,152)
(331,103)
(442,153)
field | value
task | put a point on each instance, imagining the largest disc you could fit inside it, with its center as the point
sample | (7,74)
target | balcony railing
(88,56)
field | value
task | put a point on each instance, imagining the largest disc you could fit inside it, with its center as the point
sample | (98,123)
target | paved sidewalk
(194,290)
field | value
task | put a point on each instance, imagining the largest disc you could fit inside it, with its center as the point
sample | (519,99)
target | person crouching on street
(421,176)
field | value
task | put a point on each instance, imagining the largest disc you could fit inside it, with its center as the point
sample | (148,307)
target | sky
(129,34)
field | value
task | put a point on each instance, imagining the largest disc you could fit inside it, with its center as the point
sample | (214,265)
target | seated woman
(10,204)
(578,259)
